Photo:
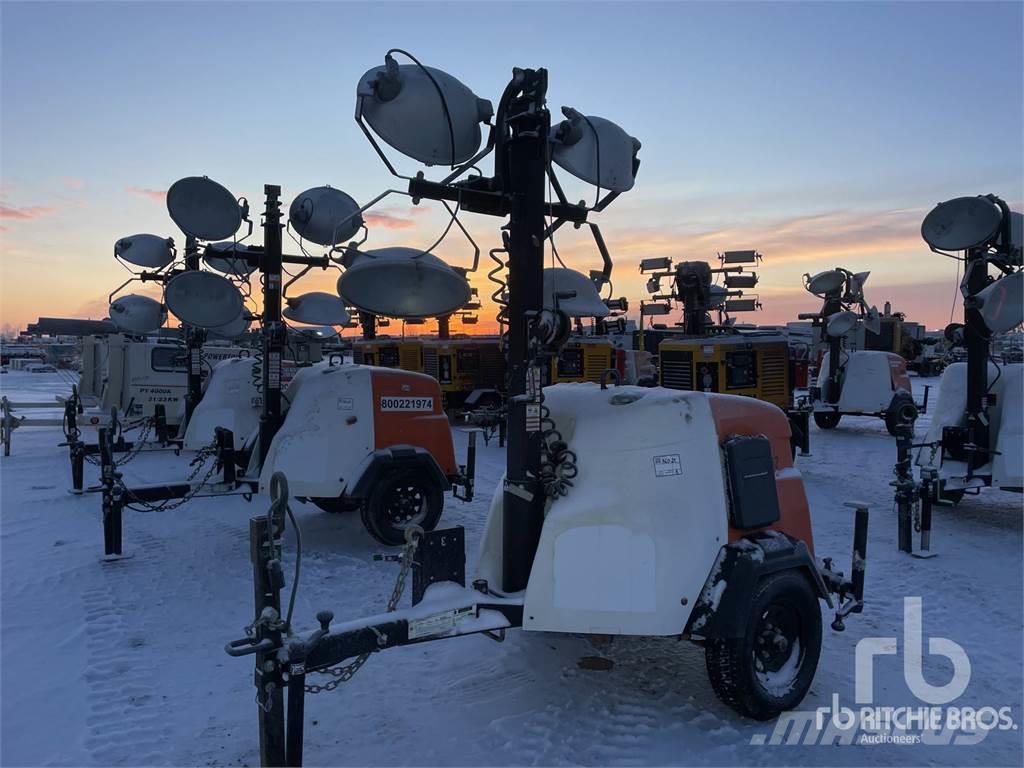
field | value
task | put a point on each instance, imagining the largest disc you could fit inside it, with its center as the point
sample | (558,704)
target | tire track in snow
(127,724)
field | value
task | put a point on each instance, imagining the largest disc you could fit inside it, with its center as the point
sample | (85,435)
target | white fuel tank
(643,524)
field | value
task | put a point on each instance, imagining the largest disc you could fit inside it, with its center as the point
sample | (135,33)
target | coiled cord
(558,462)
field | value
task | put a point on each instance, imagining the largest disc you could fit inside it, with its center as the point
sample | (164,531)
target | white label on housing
(406,403)
(346,403)
(668,465)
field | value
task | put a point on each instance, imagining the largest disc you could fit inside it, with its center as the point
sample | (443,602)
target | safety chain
(345,672)
(139,443)
(201,458)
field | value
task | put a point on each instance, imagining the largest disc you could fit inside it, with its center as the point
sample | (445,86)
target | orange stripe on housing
(416,428)
(736,416)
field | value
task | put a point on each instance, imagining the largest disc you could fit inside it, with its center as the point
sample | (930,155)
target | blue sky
(819,133)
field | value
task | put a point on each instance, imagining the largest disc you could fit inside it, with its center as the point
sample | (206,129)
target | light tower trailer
(637,551)
(976,436)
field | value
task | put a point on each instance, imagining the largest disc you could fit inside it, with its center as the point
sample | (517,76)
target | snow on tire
(770,668)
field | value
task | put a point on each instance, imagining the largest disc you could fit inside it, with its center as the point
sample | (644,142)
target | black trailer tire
(402,497)
(337,505)
(827,419)
(901,410)
(784,622)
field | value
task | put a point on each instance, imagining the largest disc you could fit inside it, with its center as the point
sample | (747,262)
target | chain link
(345,672)
(202,456)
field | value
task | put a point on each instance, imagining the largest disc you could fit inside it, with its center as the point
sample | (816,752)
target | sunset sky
(818,133)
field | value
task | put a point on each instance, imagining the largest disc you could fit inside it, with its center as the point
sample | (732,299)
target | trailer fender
(384,460)
(723,607)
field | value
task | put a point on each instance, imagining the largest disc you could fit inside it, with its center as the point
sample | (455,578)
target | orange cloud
(153,194)
(392,220)
(25,214)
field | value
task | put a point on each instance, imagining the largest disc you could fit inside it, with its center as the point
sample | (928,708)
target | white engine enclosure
(231,401)
(1006,419)
(644,523)
(866,383)
(327,440)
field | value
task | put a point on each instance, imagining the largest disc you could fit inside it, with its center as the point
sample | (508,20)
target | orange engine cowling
(407,411)
(748,417)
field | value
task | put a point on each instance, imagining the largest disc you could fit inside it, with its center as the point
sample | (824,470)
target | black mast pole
(523,157)
(194,338)
(273,328)
(976,339)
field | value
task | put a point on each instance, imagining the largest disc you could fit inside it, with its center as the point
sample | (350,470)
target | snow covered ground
(122,664)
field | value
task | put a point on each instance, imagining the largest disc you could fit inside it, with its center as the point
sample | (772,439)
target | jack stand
(858,563)
(113,500)
(906,488)
(927,487)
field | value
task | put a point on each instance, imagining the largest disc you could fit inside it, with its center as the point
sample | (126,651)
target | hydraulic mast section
(976,339)
(522,165)
(273,327)
(194,338)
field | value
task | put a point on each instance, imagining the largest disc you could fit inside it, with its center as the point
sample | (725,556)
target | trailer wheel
(401,498)
(770,668)
(827,419)
(902,410)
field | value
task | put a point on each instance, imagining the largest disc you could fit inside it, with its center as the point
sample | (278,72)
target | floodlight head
(422,112)
(316,308)
(954,333)
(856,286)
(717,296)
(203,209)
(229,257)
(401,282)
(1002,303)
(656,264)
(325,216)
(825,282)
(573,293)
(137,314)
(232,330)
(873,321)
(203,299)
(841,323)
(655,309)
(961,223)
(148,251)
(595,150)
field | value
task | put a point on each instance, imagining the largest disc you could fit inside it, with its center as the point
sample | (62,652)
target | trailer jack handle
(467,473)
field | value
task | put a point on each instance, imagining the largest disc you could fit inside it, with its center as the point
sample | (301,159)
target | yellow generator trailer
(582,359)
(389,352)
(465,365)
(750,364)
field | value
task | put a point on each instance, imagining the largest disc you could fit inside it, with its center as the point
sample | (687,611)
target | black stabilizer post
(269,680)
(906,489)
(860,556)
(296,702)
(926,491)
(113,501)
